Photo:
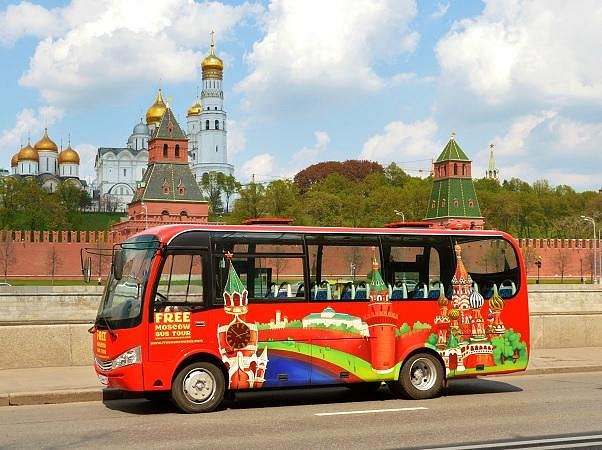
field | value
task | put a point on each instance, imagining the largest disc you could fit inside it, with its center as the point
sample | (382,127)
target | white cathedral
(119,169)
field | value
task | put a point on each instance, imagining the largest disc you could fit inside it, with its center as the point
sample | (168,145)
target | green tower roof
(453,197)
(376,281)
(452,152)
(169,128)
(233,284)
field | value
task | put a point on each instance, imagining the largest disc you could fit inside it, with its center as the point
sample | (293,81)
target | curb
(551,370)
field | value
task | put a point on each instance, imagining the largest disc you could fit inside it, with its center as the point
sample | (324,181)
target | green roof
(233,284)
(376,281)
(162,182)
(452,152)
(169,128)
(453,198)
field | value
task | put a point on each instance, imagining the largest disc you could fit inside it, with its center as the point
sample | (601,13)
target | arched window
(165,150)
(207,123)
(463,169)
(217,124)
(177,150)
(455,169)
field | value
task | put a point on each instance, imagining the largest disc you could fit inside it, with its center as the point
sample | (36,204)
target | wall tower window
(177,150)
(165,150)
(207,123)
(217,124)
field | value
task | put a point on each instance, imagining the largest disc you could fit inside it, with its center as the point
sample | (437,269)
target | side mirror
(118,262)
(87,269)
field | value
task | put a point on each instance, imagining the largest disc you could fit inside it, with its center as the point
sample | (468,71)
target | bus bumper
(128,378)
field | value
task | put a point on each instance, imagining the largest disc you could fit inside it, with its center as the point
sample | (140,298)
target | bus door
(275,348)
(177,320)
(340,272)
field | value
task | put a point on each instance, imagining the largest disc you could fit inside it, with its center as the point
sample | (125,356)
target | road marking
(369,411)
(562,442)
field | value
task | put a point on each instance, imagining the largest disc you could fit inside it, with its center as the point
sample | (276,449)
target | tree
(210,185)
(7,252)
(561,261)
(250,203)
(353,170)
(230,186)
(54,261)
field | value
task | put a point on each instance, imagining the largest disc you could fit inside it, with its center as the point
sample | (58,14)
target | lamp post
(145,215)
(399,213)
(593,222)
(538,264)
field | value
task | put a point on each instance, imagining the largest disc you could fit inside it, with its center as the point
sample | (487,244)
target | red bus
(193,312)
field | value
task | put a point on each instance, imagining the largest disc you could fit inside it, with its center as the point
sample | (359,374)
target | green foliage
(405,328)
(421,326)
(432,340)
(508,347)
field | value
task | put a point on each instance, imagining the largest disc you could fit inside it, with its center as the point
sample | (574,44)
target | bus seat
(399,291)
(272,291)
(421,290)
(300,290)
(489,289)
(347,292)
(507,288)
(312,291)
(362,291)
(284,290)
(475,287)
(323,291)
(435,289)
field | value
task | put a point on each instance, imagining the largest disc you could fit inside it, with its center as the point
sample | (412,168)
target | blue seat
(362,291)
(323,291)
(399,291)
(347,293)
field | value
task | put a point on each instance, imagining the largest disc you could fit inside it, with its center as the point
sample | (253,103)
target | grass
(44,282)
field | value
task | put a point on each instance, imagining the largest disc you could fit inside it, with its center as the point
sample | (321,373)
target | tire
(421,377)
(198,388)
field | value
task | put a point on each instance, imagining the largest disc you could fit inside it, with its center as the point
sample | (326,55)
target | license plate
(103,379)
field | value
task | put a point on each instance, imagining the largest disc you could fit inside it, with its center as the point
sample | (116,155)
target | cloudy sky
(308,81)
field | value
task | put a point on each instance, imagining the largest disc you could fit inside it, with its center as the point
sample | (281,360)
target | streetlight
(593,222)
(399,213)
(145,215)
(538,264)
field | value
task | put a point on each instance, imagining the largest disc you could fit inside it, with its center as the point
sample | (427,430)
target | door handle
(199,323)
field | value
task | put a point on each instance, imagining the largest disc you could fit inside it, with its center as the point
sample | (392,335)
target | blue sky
(385,80)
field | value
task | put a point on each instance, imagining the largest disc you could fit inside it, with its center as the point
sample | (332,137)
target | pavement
(46,385)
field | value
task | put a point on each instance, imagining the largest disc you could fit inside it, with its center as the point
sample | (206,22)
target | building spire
(492,171)
(212,50)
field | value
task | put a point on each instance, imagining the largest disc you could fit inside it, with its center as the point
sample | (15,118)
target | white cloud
(401,142)
(27,19)
(261,166)
(309,155)
(519,48)
(440,11)
(312,47)
(29,123)
(237,141)
(514,142)
(105,48)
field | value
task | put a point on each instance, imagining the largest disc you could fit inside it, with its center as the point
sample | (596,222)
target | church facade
(118,170)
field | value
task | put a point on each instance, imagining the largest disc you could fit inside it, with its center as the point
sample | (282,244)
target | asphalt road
(482,411)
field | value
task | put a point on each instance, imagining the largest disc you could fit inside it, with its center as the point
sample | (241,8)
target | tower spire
(212,49)
(492,171)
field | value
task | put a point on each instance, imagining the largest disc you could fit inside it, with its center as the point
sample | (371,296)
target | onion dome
(443,301)
(28,153)
(212,66)
(68,156)
(453,314)
(195,109)
(476,300)
(156,110)
(141,128)
(496,303)
(46,144)
(14,160)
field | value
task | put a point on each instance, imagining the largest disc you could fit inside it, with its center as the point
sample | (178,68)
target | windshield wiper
(104,319)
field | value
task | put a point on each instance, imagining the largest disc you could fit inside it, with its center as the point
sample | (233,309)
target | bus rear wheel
(421,377)
(198,388)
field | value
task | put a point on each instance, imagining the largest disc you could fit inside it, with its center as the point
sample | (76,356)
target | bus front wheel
(198,388)
(421,377)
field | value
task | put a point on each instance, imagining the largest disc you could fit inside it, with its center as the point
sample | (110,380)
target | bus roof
(165,233)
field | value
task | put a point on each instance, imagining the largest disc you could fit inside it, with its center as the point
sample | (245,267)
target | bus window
(415,266)
(492,264)
(181,283)
(341,272)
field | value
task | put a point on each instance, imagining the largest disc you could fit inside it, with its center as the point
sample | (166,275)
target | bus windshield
(121,303)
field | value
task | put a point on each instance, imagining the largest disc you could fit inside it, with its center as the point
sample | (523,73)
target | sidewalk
(80,384)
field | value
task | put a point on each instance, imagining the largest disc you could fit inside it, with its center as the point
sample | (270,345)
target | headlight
(132,356)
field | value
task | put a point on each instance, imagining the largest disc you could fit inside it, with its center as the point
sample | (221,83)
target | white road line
(590,439)
(369,411)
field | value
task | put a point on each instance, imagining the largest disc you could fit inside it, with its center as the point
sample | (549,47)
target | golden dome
(46,144)
(14,160)
(156,110)
(68,156)
(212,62)
(28,153)
(195,109)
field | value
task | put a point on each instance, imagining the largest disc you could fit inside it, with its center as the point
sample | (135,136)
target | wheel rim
(423,374)
(199,385)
